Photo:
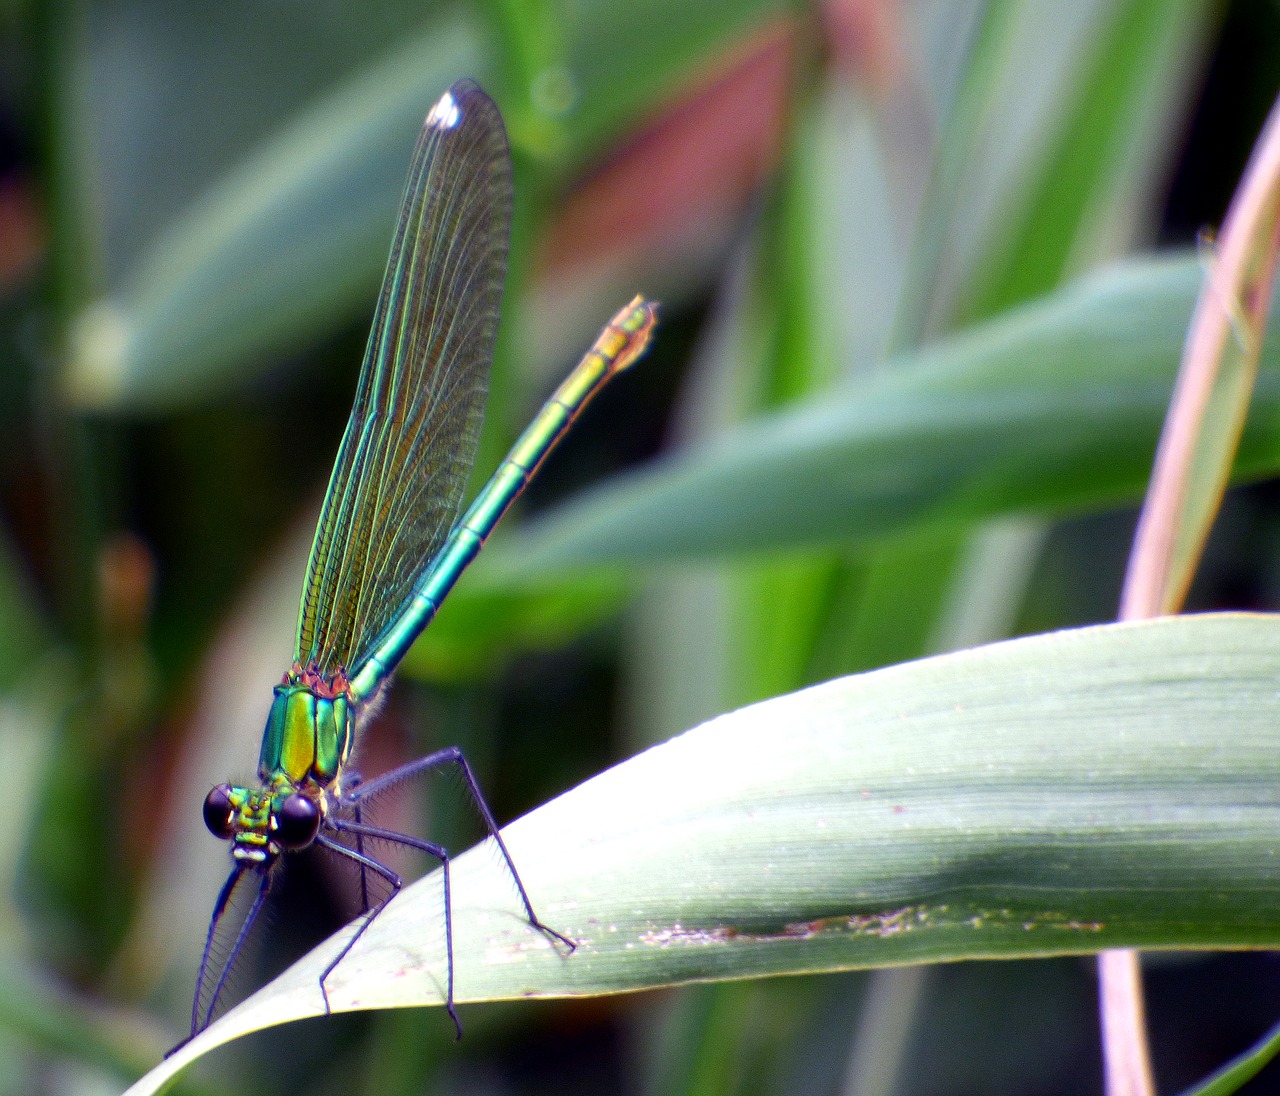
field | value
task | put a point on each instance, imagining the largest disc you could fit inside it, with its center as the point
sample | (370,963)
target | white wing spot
(445,114)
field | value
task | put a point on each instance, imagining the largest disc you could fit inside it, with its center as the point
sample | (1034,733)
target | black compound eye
(219,812)
(297,821)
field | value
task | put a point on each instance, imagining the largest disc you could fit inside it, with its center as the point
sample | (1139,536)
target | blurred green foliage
(866,236)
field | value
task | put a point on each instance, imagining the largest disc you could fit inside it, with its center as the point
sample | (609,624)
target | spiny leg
(241,937)
(358,818)
(219,908)
(358,830)
(364,872)
(451,755)
(354,780)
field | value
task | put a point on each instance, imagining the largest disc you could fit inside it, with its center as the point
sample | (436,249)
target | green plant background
(907,382)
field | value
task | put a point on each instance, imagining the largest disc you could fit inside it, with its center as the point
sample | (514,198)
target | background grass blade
(1052,409)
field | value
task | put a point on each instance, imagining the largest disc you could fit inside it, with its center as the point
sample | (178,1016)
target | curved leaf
(1059,794)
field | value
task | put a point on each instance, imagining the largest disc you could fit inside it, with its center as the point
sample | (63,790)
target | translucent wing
(411,439)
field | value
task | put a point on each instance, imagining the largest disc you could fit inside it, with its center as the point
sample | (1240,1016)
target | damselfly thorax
(306,744)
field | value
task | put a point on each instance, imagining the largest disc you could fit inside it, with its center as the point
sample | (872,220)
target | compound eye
(219,812)
(297,821)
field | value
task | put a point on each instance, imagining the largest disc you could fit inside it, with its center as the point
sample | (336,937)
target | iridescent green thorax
(308,736)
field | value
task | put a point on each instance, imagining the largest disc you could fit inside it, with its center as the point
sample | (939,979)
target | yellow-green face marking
(251,822)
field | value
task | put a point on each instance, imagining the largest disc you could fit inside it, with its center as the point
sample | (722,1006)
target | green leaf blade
(1111,786)
(286,241)
(1052,409)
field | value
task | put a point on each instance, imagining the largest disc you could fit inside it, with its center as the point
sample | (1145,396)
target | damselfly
(390,545)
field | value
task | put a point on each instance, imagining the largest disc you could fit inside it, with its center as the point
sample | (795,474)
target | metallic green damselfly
(390,545)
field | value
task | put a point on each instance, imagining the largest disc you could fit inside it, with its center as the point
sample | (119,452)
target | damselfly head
(242,816)
(263,822)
